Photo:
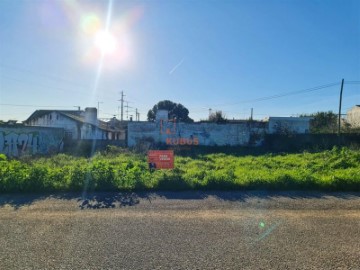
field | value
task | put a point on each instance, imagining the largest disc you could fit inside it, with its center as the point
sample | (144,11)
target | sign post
(161,159)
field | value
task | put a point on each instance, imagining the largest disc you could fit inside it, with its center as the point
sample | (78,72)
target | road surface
(188,230)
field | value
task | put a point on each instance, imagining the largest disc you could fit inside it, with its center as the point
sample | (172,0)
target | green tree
(217,117)
(176,110)
(323,122)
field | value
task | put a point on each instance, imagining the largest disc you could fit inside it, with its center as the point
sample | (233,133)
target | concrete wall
(353,116)
(19,141)
(188,134)
(298,125)
(301,142)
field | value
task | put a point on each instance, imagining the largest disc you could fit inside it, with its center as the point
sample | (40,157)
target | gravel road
(187,230)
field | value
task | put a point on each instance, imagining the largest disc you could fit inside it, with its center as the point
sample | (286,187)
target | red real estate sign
(161,159)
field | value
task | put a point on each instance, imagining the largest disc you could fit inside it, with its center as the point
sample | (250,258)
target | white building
(353,116)
(298,125)
(78,125)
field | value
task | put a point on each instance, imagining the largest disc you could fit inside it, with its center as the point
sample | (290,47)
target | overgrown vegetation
(324,122)
(217,117)
(327,123)
(337,169)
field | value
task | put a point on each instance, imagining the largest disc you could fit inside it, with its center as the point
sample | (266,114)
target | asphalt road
(191,230)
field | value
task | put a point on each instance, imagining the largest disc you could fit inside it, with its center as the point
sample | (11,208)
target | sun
(105,42)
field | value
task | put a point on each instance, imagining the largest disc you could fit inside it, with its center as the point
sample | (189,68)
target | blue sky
(221,55)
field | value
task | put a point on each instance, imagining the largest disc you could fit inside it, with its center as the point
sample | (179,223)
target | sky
(281,58)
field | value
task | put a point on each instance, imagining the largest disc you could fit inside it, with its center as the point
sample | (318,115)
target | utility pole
(137,114)
(209,113)
(252,112)
(99,102)
(122,106)
(127,110)
(341,91)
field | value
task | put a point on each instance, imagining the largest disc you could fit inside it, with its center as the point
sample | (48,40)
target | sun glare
(105,42)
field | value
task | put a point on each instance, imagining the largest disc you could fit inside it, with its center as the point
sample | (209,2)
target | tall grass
(338,169)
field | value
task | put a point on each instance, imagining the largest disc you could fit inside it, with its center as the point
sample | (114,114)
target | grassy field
(338,169)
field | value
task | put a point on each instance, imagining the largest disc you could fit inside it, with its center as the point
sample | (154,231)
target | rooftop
(76,115)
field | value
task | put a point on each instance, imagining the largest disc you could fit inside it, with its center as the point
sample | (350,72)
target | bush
(336,169)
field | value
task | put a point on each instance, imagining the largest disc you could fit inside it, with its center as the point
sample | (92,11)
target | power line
(34,84)
(62,89)
(42,106)
(316,88)
(352,82)
(2,66)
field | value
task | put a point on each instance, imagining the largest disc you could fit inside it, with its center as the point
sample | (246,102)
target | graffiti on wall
(174,136)
(13,144)
(19,142)
(189,134)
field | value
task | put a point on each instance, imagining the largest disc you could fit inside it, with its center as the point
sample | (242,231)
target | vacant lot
(338,169)
(191,230)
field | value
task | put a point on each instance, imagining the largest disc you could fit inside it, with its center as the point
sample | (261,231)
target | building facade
(78,125)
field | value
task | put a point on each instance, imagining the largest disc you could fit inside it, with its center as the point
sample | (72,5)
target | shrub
(336,169)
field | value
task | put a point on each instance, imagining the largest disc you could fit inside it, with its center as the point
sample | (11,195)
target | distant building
(298,125)
(353,116)
(10,123)
(78,125)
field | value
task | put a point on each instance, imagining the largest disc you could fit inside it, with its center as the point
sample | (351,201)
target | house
(78,125)
(353,116)
(299,125)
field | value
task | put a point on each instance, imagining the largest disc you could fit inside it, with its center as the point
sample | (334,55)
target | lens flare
(105,42)
(90,24)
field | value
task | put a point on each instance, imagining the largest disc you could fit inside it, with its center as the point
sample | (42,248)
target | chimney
(91,116)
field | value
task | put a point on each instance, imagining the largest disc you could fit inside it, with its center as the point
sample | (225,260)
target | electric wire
(38,106)
(312,89)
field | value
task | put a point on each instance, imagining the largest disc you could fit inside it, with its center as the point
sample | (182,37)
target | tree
(176,110)
(323,122)
(217,117)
